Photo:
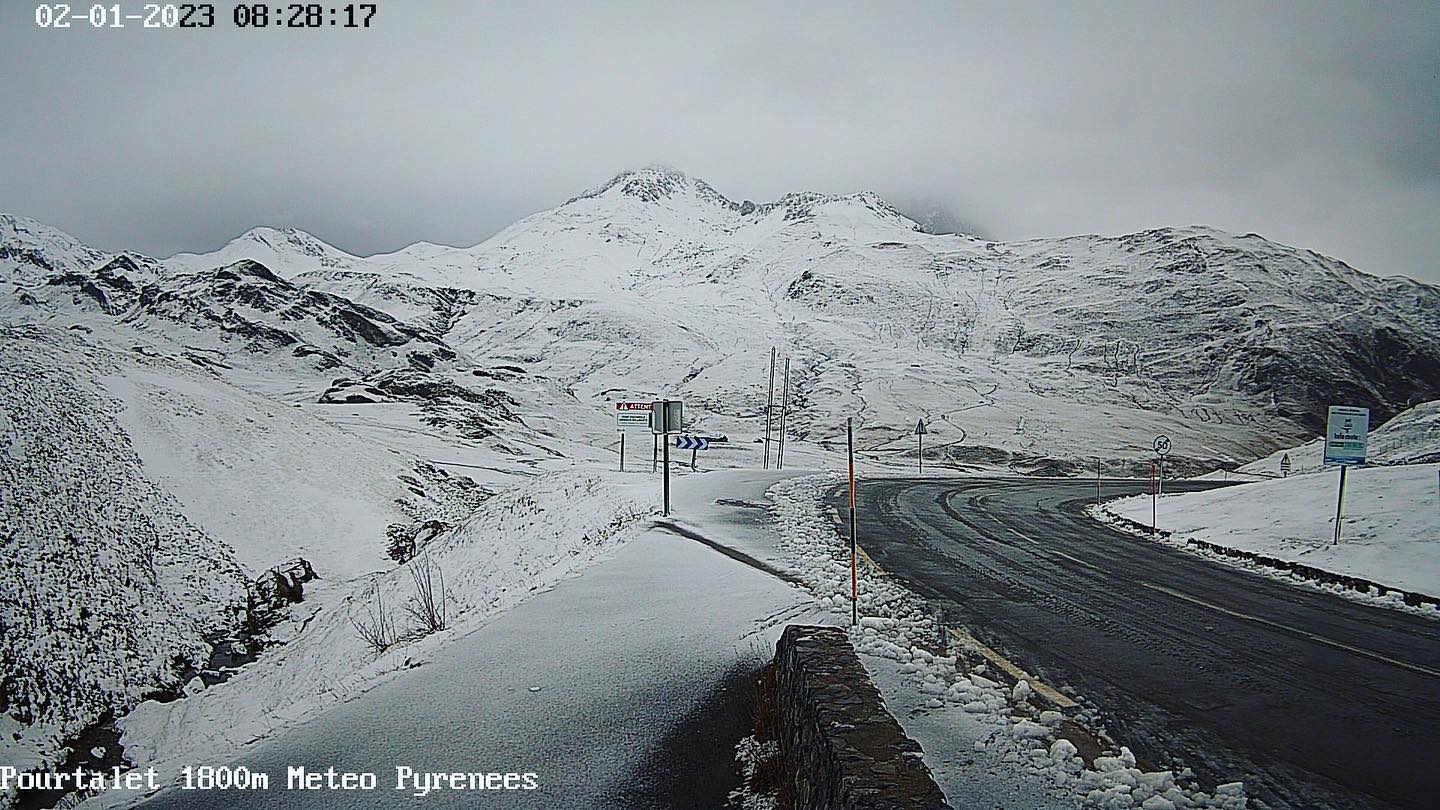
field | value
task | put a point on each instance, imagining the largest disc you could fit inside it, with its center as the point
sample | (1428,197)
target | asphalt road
(1314,700)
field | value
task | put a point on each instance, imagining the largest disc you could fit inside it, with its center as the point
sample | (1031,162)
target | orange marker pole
(854,548)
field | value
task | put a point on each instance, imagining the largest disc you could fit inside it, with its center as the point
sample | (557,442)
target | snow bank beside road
(1391,531)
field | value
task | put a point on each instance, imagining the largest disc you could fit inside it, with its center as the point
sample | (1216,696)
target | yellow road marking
(1339,645)
(1051,695)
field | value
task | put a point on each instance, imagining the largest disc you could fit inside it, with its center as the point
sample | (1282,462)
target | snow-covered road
(617,688)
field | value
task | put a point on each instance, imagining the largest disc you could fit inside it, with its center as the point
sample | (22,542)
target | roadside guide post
(769,406)
(695,444)
(784,409)
(1152,497)
(920,443)
(1098,462)
(854,548)
(666,416)
(1347,432)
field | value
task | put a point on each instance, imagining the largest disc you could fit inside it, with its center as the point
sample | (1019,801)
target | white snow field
(1390,534)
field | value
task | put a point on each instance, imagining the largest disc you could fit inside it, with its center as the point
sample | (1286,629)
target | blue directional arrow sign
(692,443)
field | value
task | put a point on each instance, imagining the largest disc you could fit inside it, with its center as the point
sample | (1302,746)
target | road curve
(1314,700)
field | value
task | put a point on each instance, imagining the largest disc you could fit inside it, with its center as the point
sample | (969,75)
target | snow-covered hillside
(1412,437)
(141,495)
(1060,349)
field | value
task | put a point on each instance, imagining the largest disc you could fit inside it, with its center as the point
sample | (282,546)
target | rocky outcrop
(842,748)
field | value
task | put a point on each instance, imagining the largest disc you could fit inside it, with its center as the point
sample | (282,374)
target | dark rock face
(282,585)
(846,752)
(254,311)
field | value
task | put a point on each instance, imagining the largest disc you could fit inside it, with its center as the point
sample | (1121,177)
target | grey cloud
(1313,124)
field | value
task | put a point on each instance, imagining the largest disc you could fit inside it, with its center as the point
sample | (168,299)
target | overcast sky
(1311,123)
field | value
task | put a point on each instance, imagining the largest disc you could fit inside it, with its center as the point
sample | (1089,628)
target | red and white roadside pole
(854,548)
(1153,497)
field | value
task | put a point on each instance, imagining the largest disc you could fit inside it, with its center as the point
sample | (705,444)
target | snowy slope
(1040,355)
(107,588)
(140,495)
(654,283)
(1390,535)
(1412,437)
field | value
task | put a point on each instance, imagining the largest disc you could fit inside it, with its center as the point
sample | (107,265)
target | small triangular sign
(920,427)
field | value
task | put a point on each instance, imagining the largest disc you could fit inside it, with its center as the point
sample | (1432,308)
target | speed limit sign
(1162,445)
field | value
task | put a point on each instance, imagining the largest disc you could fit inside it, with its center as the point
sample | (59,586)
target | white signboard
(632,417)
(1345,435)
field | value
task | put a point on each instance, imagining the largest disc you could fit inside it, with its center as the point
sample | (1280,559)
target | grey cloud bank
(1312,124)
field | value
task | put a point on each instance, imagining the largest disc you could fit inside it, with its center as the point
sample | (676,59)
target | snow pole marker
(769,407)
(622,451)
(854,547)
(1153,507)
(784,410)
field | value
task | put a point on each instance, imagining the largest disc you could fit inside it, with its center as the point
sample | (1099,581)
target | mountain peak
(654,183)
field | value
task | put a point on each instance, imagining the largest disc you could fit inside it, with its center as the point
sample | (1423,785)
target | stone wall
(842,749)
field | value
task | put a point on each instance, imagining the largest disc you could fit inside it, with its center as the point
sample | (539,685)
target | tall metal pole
(920,439)
(1340,504)
(665,440)
(854,547)
(784,409)
(769,406)
(622,451)
(655,453)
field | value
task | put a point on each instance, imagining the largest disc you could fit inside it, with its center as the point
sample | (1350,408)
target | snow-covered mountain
(1043,354)
(1053,348)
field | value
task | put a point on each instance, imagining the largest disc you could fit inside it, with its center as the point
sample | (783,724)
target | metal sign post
(1097,483)
(666,416)
(920,443)
(854,548)
(622,451)
(1347,431)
